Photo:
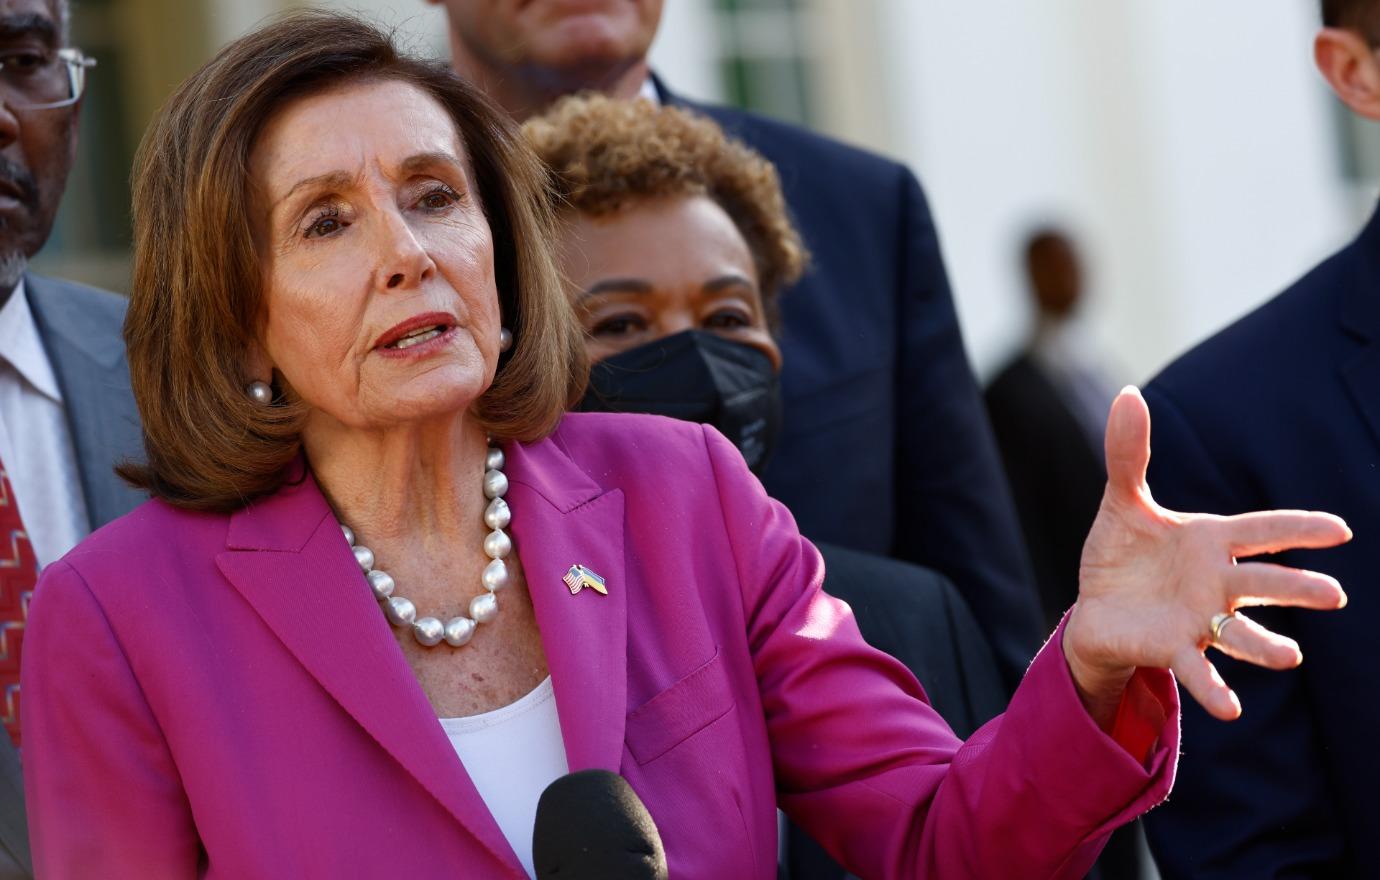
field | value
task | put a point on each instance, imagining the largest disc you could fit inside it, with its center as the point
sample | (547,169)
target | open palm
(1152,579)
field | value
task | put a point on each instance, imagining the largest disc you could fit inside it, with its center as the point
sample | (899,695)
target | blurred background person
(675,244)
(884,445)
(1283,409)
(67,416)
(1048,408)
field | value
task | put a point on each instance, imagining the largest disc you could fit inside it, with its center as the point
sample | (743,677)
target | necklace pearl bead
(497,544)
(495,484)
(484,608)
(381,582)
(365,557)
(400,611)
(428,631)
(458,631)
(495,576)
(494,460)
(497,515)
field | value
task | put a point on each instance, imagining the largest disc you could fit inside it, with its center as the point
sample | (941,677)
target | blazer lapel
(88,356)
(561,518)
(1362,378)
(287,557)
(1360,318)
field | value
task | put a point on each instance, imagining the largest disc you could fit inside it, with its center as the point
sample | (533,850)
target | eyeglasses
(36,78)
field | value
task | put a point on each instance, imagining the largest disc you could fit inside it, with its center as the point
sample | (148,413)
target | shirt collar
(648,91)
(22,348)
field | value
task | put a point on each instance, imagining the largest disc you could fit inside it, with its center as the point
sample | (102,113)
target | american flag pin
(580,577)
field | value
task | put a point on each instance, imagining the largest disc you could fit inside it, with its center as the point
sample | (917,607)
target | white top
(35,445)
(512,754)
(648,92)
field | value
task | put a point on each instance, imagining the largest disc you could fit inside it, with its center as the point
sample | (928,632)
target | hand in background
(1152,580)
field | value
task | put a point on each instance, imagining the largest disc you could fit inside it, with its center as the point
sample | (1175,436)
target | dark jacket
(1282,410)
(886,447)
(1056,476)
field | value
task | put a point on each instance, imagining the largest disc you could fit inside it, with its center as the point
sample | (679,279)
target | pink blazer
(212,695)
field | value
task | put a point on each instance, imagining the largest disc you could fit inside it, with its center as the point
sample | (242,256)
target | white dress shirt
(1069,357)
(35,444)
(512,754)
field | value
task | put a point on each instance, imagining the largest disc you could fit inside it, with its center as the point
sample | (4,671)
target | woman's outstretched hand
(1152,581)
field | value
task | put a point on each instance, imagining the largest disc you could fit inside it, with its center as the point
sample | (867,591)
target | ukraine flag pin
(580,577)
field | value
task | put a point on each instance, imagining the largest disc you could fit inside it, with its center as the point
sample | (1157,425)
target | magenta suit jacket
(219,695)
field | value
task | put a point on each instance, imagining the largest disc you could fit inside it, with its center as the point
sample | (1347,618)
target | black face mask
(696,377)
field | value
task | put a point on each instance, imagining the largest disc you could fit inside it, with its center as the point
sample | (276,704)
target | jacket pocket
(680,711)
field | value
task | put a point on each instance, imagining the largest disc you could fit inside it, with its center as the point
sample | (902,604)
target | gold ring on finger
(1218,622)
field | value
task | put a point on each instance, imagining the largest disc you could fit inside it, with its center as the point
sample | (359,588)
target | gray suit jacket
(80,328)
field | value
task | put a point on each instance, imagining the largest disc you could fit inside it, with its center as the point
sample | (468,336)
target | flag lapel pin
(579,577)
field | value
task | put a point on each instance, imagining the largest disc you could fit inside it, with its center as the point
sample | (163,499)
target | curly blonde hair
(605,153)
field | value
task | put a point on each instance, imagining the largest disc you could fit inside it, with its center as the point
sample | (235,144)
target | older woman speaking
(352,354)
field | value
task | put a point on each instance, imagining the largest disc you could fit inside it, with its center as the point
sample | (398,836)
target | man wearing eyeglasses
(66,412)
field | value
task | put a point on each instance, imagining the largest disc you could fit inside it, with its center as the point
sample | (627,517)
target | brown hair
(197,290)
(605,153)
(1362,16)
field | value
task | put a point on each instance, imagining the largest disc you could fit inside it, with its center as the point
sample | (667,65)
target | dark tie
(18,572)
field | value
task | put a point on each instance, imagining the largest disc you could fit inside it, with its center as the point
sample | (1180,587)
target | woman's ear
(1351,68)
(257,365)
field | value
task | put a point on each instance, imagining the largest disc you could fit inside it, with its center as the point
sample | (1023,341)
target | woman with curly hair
(675,243)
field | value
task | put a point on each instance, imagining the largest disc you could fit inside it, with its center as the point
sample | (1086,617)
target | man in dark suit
(885,446)
(66,412)
(1282,409)
(1048,408)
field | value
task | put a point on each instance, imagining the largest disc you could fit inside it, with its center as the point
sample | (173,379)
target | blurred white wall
(1189,143)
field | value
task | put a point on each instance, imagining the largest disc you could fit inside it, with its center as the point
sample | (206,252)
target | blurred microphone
(591,824)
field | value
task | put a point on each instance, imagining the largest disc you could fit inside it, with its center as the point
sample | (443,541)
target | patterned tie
(18,572)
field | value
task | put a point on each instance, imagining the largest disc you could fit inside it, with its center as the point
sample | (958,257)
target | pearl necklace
(457,631)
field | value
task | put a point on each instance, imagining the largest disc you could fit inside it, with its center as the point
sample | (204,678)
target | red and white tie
(18,573)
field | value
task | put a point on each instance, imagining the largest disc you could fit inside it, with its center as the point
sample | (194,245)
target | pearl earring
(260,392)
(505,339)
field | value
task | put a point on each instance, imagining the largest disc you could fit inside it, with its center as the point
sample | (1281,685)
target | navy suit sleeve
(1261,771)
(954,510)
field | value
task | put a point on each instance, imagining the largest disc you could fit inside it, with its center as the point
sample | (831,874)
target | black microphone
(591,825)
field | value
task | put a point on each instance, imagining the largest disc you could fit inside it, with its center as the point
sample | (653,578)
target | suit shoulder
(143,534)
(84,296)
(644,455)
(790,146)
(621,435)
(1284,335)
(1013,378)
